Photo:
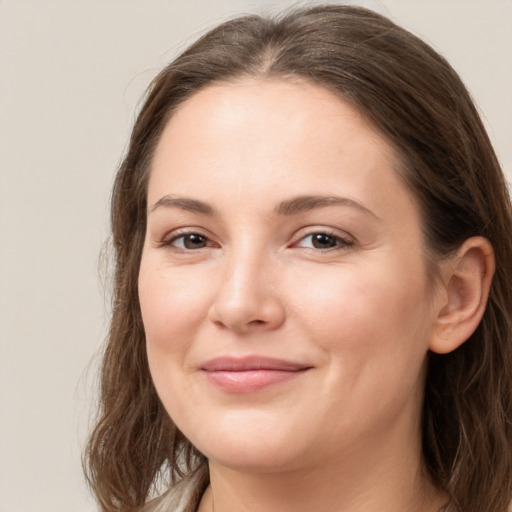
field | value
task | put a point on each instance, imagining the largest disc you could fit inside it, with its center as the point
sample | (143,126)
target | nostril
(246,312)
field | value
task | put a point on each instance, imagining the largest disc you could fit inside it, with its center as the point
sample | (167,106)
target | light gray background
(71,73)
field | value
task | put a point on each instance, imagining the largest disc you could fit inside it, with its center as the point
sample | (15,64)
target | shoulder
(183,496)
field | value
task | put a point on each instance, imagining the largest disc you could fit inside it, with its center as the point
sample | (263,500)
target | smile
(250,374)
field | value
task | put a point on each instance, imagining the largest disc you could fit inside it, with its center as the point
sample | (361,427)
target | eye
(323,240)
(190,241)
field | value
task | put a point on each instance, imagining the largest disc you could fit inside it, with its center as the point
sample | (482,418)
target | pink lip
(250,374)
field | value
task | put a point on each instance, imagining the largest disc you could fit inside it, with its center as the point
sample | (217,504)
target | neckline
(445,508)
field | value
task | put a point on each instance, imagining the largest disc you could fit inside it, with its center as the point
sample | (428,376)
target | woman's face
(283,286)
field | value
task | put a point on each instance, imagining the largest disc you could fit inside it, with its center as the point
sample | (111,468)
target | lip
(250,374)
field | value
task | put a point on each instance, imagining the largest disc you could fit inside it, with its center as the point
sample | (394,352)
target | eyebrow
(289,207)
(305,203)
(184,203)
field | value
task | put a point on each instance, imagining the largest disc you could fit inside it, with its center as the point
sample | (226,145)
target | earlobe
(467,278)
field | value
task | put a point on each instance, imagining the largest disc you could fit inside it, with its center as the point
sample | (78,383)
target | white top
(183,496)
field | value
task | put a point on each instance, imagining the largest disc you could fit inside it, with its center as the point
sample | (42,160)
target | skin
(361,315)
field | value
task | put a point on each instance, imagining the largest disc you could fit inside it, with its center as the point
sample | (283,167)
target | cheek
(173,304)
(368,316)
(374,332)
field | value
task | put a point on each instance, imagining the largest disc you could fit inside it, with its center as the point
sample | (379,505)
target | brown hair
(413,96)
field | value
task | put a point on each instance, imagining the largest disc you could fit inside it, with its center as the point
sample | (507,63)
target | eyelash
(339,242)
(168,242)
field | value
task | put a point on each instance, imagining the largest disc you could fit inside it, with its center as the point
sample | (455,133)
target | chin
(248,444)
(248,458)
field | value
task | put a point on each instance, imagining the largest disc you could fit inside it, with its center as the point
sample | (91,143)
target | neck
(380,481)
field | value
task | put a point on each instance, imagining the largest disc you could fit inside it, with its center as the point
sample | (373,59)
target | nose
(247,299)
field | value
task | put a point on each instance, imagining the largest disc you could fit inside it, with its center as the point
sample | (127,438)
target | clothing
(184,496)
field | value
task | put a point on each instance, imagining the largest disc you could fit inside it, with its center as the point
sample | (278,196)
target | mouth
(250,374)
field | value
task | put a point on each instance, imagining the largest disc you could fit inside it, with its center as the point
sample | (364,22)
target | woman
(313,289)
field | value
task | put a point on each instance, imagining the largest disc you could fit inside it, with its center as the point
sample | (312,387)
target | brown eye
(324,241)
(194,241)
(190,241)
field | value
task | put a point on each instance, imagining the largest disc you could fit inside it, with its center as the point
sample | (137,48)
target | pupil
(323,241)
(194,241)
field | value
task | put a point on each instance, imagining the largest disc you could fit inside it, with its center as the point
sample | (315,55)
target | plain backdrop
(71,74)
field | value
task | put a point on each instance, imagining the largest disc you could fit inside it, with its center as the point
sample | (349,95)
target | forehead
(267,120)
(257,104)
(267,139)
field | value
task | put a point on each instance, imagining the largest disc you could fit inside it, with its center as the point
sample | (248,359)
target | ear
(466,279)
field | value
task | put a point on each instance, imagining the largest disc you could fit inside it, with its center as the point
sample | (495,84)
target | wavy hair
(418,102)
